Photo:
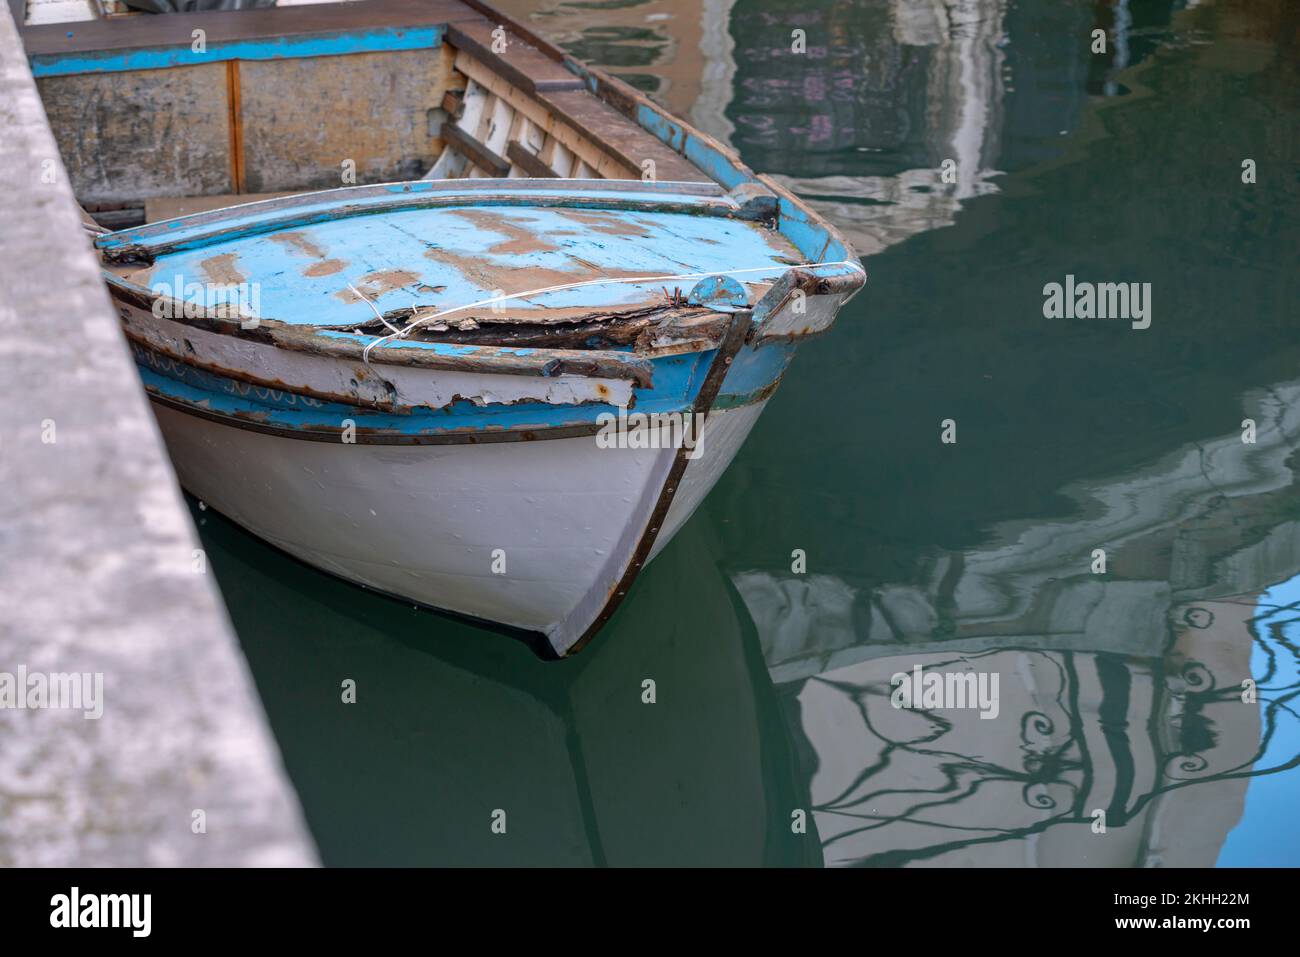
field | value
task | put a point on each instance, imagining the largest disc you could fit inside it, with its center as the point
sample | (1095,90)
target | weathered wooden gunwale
(413,353)
(51,43)
(136,245)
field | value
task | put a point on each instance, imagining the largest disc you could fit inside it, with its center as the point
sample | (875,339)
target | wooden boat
(475,384)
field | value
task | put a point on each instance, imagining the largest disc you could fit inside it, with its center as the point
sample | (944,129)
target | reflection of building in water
(678,52)
(861,121)
(1119,691)
(1077,732)
(964,85)
(927,90)
(888,90)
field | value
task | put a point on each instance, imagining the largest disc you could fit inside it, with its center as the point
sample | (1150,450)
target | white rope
(529,293)
(378,315)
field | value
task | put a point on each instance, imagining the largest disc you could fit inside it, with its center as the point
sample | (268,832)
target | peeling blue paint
(438,348)
(439,258)
(811,236)
(753,370)
(719,293)
(677,383)
(272,48)
(716,164)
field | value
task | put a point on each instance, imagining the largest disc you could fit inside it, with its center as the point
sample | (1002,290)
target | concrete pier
(101,574)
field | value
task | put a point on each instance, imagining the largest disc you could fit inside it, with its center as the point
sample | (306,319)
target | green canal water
(1156,695)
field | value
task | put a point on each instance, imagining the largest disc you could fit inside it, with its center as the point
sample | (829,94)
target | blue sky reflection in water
(1119,691)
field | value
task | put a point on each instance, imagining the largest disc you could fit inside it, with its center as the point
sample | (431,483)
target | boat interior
(163,116)
(290,99)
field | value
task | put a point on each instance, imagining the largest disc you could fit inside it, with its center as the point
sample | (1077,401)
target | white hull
(535,535)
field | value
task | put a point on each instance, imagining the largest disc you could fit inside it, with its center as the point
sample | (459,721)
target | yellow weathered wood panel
(142,133)
(303,118)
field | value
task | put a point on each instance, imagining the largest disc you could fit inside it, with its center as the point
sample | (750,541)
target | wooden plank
(617,134)
(483,75)
(57,11)
(530,163)
(561,159)
(532,136)
(451,164)
(474,101)
(517,125)
(221,26)
(521,64)
(234,103)
(628,141)
(605,163)
(478,154)
(496,131)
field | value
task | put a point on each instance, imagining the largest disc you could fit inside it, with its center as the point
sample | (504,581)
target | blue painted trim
(811,238)
(201,229)
(385,39)
(753,370)
(677,383)
(719,167)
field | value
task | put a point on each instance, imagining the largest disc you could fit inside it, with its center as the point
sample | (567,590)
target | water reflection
(1189,526)
(926,110)
(876,111)
(869,67)
(676,52)
(1163,744)
(1120,692)
(452,723)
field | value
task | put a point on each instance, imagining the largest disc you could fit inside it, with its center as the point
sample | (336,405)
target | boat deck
(338,273)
